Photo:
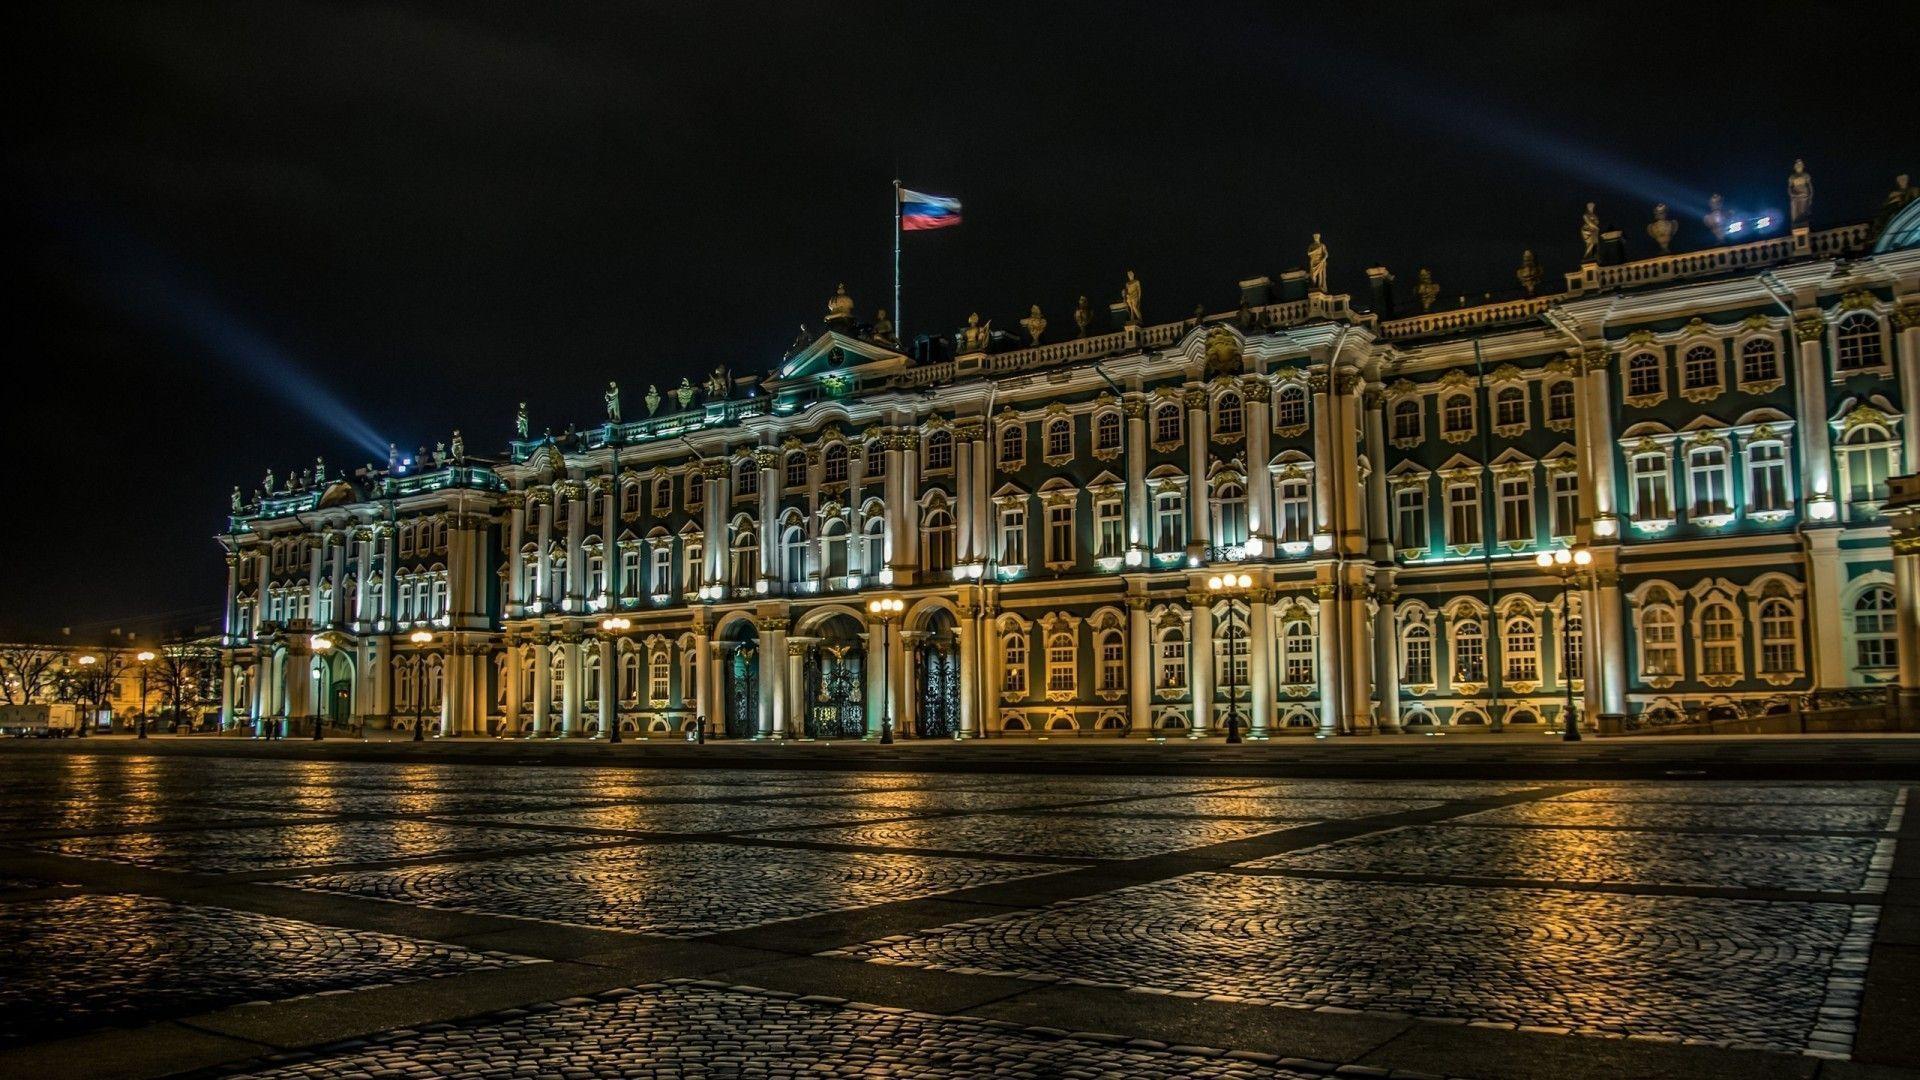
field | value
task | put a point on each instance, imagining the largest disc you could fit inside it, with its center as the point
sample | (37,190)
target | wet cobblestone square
(320,843)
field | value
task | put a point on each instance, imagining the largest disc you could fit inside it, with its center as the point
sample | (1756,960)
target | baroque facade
(1317,516)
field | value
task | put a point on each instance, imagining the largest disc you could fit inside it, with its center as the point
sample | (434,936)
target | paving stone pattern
(74,963)
(1815,863)
(1748,817)
(1059,833)
(273,847)
(1265,806)
(1870,794)
(700,1030)
(1728,971)
(675,890)
(697,817)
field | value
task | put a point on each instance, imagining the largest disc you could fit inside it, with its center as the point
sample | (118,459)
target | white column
(337,606)
(1356,666)
(796,683)
(576,595)
(1259,426)
(768,461)
(1139,506)
(1324,478)
(511,714)
(1200,662)
(1606,643)
(1199,492)
(1140,659)
(969,661)
(1386,658)
(544,566)
(1825,580)
(1260,661)
(1810,388)
(542,685)
(516,564)
(1908,365)
(1379,536)
(609,686)
(982,508)
(773,680)
(573,658)
(903,467)
(1906,594)
(1329,643)
(703,681)
(964,550)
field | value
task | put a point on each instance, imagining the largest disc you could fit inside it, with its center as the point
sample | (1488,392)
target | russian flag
(918,212)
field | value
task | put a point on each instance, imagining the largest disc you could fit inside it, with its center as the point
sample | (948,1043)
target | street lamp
(88,661)
(614,624)
(886,609)
(140,728)
(1231,586)
(322,645)
(419,638)
(1570,566)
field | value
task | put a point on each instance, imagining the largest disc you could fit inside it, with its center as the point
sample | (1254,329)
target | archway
(836,684)
(936,666)
(739,646)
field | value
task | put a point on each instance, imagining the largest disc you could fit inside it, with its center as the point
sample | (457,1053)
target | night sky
(246,234)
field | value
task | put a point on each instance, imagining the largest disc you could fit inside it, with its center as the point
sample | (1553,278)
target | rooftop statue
(1590,235)
(652,399)
(268,484)
(319,470)
(1662,228)
(975,337)
(1035,325)
(1428,290)
(1317,264)
(1903,192)
(883,328)
(1083,316)
(439,454)
(684,392)
(612,398)
(393,457)
(1130,296)
(1716,218)
(459,446)
(1799,193)
(520,421)
(234,501)
(719,384)
(840,305)
(1529,272)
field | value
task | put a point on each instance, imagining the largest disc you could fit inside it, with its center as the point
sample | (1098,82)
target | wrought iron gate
(938,676)
(836,691)
(743,693)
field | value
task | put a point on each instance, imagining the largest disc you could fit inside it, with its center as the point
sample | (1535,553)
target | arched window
(1700,368)
(1643,375)
(876,459)
(1875,630)
(1060,664)
(876,537)
(1759,361)
(1779,638)
(1416,655)
(1719,640)
(1456,415)
(939,451)
(1469,652)
(1013,444)
(1407,417)
(659,677)
(596,574)
(1298,655)
(1866,459)
(1059,438)
(938,528)
(1113,661)
(590,676)
(796,469)
(1170,669)
(1169,522)
(1296,511)
(835,460)
(662,495)
(746,555)
(630,677)
(1106,431)
(1510,407)
(1230,514)
(793,544)
(630,498)
(833,548)
(1290,407)
(1166,423)
(1231,640)
(1016,663)
(1560,400)
(1707,479)
(1660,641)
(1857,343)
(1229,417)
(1573,648)
(746,478)
(1522,649)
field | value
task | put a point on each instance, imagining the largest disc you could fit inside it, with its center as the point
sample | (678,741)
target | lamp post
(419,638)
(886,609)
(1570,566)
(323,645)
(1232,587)
(86,685)
(613,625)
(140,725)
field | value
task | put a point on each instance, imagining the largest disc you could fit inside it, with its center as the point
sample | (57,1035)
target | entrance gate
(836,689)
(937,674)
(743,693)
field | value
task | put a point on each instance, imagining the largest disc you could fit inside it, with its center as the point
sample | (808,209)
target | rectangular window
(1013,537)
(662,570)
(1173,663)
(1059,534)
(1516,509)
(1060,664)
(1419,667)
(1296,512)
(1113,662)
(1707,477)
(1463,515)
(1109,529)
(1410,519)
(1652,497)
(1767,477)
(1566,502)
(1169,523)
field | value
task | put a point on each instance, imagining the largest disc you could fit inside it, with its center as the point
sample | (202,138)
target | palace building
(1310,515)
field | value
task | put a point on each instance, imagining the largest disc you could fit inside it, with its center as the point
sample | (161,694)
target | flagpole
(899,326)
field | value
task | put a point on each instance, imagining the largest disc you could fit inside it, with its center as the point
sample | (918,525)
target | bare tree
(26,673)
(183,674)
(91,685)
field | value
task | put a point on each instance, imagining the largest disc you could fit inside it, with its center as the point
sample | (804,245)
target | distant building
(1717,427)
(32,673)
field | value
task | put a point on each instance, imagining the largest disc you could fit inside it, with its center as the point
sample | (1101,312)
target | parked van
(49,721)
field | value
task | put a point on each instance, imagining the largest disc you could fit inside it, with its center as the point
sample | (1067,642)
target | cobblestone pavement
(1682,967)
(1262,805)
(274,847)
(95,814)
(1869,794)
(1059,833)
(937,802)
(1750,817)
(80,962)
(1814,863)
(675,890)
(697,817)
(690,1029)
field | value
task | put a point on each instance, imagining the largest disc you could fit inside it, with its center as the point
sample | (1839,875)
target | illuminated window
(1719,640)
(1857,342)
(1229,416)
(1106,431)
(1516,509)
(833,548)
(1297,651)
(1230,514)
(1060,535)
(1759,361)
(662,495)
(939,452)
(1573,648)
(1779,637)
(1109,529)
(1652,487)
(1113,661)
(1560,400)
(1013,536)
(1416,653)
(1463,514)
(1060,438)
(1469,652)
(1643,375)
(876,459)
(797,469)
(1296,511)
(1169,522)
(1410,518)
(1510,407)
(1013,445)
(1566,501)
(1767,477)
(662,570)
(1456,415)
(938,528)
(1707,481)
(1700,368)
(1408,422)
(1290,407)
(835,461)
(1060,664)
(1171,669)
(1230,652)
(1659,641)
(1167,423)
(1866,460)
(1522,648)
(1015,680)
(1875,630)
